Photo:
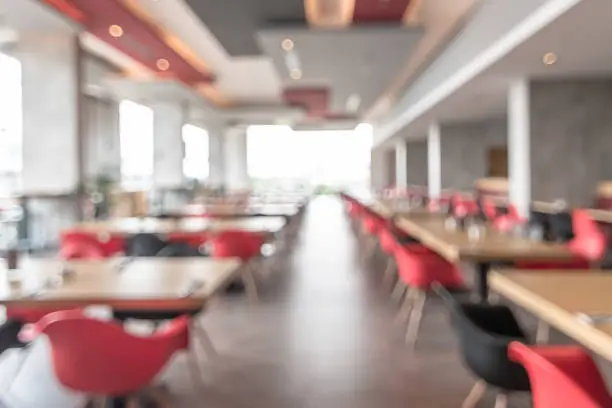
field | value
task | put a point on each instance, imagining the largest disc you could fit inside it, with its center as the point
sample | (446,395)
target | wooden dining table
(577,303)
(163,285)
(236,210)
(134,225)
(490,248)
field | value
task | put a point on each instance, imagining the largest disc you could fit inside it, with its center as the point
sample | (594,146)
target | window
(136,139)
(195,163)
(11,134)
(279,157)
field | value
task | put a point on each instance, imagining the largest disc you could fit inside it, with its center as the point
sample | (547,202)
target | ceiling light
(163,64)
(115,31)
(549,58)
(287,44)
(295,74)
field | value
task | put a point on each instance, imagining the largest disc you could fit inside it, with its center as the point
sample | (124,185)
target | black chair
(484,332)
(179,250)
(9,335)
(560,224)
(144,244)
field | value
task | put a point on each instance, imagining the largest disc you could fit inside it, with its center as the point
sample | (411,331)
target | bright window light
(136,139)
(196,162)
(279,156)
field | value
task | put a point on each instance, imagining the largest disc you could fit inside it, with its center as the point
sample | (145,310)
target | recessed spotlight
(163,64)
(295,74)
(287,44)
(115,31)
(549,58)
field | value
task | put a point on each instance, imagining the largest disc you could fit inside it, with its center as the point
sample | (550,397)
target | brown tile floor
(324,336)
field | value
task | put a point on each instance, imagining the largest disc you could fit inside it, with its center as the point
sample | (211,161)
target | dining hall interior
(305,203)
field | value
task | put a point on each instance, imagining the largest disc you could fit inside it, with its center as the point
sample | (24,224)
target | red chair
(108,244)
(98,357)
(561,376)
(81,249)
(588,245)
(418,271)
(245,245)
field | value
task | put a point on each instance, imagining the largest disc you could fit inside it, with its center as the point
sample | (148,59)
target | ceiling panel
(359,61)
(234,22)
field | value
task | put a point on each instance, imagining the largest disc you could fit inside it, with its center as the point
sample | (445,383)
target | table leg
(482,269)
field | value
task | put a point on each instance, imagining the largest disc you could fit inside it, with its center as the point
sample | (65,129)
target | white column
(169,149)
(216,141)
(235,159)
(401,165)
(434,161)
(51,84)
(519,139)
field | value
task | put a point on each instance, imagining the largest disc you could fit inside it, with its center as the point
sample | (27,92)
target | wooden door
(498,162)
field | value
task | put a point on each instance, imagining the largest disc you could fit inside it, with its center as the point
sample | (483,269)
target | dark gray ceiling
(235,22)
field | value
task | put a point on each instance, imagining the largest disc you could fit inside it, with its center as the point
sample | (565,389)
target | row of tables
(169,284)
(577,302)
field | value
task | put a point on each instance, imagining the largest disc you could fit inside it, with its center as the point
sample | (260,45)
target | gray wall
(571,139)
(464,151)
(417,163)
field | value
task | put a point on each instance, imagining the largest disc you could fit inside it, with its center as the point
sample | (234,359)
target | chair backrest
(144,244)
(484,334)
(98,357)
(561,226)
(242,244)
(561,376)
(589,241)
(81,249)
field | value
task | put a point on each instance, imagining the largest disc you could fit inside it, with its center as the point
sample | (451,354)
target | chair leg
(205,343)
(195,370)
(501,401)
(404,313)
(416,315)
(475,395)
(398,291)
(249,283)
(543,332)
(387,280)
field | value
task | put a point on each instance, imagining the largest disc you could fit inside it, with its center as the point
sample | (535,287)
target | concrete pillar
(52,132)
(464,149)
(235,159)
(401,169)
(51,82)
(519,156)
(216,160)
(169,149)
(434,172)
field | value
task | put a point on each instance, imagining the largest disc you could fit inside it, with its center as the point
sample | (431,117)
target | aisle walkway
(323,336)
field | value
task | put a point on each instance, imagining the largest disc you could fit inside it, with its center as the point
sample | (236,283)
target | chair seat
(420,269)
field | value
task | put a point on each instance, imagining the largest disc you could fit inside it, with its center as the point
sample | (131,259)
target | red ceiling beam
(380,11)
(140,40)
